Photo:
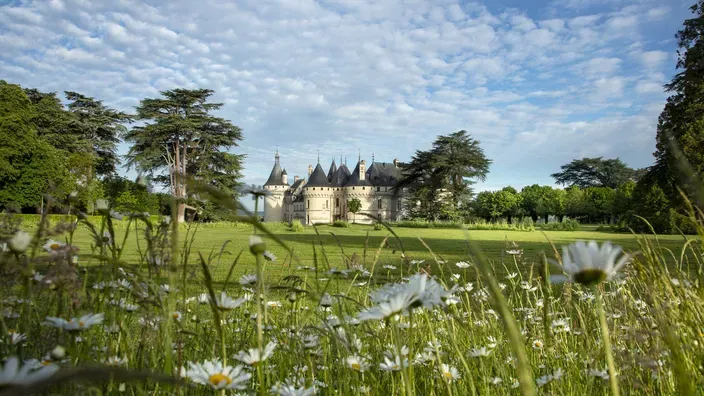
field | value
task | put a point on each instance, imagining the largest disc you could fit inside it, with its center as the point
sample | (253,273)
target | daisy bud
(19,242)
(256,245)
(101,205)
(58,353)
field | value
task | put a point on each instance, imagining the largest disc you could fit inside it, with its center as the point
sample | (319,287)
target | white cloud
(383,77)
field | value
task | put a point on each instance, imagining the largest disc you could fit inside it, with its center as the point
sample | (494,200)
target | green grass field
(333,245)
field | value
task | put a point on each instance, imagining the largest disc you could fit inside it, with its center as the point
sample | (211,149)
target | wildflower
(463,264)
(479,352)
(227,303)
(116,361)
(538,344)
(393,364)
(177,316)
(248,280)
(58,352)
(216,375)
(512,275)
(75,324)
(256,245)
(599,373)
(292,390)
(326,300)
(269,256)
(588,263)
(19,242)
(252,357)
(546,379)
(107,238)
(14,374)
(16,338)
(514,252)
(53,247)
(357,363)
(389,267)
(560,326)
(496,380)
(449,373)
(274,304)
(101,205)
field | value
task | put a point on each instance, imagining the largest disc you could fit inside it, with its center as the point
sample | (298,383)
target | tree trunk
(545,217)
(560,218)
(509,219)
(534,217)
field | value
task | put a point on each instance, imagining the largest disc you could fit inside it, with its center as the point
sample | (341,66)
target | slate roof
(354,180)
(383,174)
(318,178)
(332,170)
(275,178)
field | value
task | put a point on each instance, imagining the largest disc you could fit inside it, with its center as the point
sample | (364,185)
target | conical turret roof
(318,178)
(275,177)
(355,180)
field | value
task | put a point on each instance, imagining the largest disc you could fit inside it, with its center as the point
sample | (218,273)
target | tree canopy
(440,178)
(595,172)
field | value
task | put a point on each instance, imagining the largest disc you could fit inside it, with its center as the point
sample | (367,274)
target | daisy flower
(252,357)
(227,303)
(463,264)
(480,352)
(116,361)
(393,364)
(291,390)
(588,263)
(599,373)
(19,242)
(256,245)
(53,247)
(248,280)
(269,256)
(14,374)
(16,338)
(216,375)
(357,363)
(538,344)
(449,373)
(75,324)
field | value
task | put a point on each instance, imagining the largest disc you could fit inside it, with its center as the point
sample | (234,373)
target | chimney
(396,162)
(362,170)
(295,178)
(310,170)
(284,177)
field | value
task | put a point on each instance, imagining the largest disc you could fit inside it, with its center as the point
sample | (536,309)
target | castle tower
(276,186)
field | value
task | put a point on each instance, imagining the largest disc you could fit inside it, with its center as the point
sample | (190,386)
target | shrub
(340,224)
(566,225)
(296,226)
(378,227)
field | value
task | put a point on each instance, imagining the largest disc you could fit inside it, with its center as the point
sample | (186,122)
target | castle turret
(276,185)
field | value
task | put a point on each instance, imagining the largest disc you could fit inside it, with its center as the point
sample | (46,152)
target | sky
(538,83)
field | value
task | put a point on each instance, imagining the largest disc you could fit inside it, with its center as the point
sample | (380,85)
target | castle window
(337,202)
(378,204)
(308,204)
(364,188)
(353,188)
(326,204)
(378,188)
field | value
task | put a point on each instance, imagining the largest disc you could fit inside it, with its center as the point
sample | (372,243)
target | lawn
(365,244)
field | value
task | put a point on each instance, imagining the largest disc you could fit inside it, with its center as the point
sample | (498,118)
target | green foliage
(29,166)
(517,225)
(340,224)
(534,200)
(595,172)
(565,225)
(440,178)
(354,205)
(296,226)
(378,226)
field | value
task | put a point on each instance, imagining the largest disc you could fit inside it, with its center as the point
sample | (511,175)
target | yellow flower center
(54,246)
(356,366)
(218,378)
(46,362)
(81,323)
(176,316)
(447,375)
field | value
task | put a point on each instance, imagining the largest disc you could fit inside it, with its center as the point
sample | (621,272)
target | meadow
(95,309)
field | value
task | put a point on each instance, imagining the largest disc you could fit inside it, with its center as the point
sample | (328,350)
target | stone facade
(322,198)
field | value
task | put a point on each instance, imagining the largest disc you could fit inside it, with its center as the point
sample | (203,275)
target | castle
(322,198)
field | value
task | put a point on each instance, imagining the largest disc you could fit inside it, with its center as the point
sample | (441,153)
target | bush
(340,224)
(566,225)
(517,225)
(296,226)
(378,227)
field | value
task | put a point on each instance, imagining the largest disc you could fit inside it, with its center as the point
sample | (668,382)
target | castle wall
(318,203)
(274,203)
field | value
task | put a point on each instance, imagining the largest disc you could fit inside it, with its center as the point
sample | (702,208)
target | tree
(595,172)
(29,166)
(354,205)
(574,202)
(182,138)
(446,171)
(556,203)
(599,201)
(680,130)
(531,198)
(510,202)
(98,128)
(622,203)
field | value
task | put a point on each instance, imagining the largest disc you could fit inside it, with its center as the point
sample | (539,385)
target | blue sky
(537,82)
